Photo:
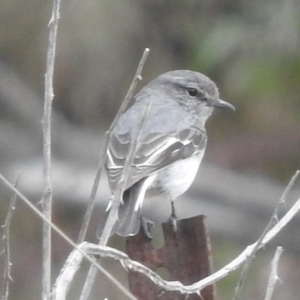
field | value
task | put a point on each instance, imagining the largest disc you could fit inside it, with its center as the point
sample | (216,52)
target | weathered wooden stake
(186,255)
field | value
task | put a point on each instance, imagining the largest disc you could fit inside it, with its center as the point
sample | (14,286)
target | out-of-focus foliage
(253,49)
(250,48)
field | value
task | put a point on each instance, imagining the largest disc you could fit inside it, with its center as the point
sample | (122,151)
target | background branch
(273,220)
(128,264)
(116,200)
(273,274)
(47,193)
(128,97)
(6,238)
(64,236)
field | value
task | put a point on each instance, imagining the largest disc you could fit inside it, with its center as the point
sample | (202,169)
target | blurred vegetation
(249,48)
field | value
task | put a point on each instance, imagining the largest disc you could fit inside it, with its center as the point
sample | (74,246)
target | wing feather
(154,152)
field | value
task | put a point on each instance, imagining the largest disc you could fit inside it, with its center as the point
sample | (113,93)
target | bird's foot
(173,222)
(173,219)
(147,226)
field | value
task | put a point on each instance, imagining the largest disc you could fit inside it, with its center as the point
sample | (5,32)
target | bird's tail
(129,214)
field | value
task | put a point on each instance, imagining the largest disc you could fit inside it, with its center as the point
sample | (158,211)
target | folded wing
(153,153)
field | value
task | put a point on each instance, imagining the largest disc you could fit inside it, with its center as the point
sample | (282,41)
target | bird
(167,120)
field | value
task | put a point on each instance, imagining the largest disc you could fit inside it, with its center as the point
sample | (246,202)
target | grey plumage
(171,143)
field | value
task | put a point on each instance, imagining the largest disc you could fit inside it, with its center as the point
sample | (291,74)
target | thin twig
(237,262)
(116,201)
(195,288)
(138,267)
(65,237)
(113,212)
(93,271)
(198,286)
(273,220)
(128,97)
(273,274)
(47,192)
(92,199)
(6,238)
(64,280)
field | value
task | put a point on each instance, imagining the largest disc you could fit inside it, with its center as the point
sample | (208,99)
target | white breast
(178,177)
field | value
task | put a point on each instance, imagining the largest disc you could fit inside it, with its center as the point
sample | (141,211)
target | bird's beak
(223,104)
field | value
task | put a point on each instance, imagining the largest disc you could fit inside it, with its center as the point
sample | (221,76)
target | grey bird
(170,145)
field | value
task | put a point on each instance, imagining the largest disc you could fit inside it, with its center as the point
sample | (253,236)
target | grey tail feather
(129,218)
(128,222)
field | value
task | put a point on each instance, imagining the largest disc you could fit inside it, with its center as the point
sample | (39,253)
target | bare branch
(47,193)
(128,264)
(112,217)
(116,201)
(273,220)
(72,265)
(64,236)
(113,212)
(273,275)
(6,237)
(237,262)
(166,285)
(128,97)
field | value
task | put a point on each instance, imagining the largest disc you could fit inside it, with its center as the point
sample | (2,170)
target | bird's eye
(192,91)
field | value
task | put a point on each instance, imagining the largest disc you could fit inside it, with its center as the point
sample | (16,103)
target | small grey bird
(170,145)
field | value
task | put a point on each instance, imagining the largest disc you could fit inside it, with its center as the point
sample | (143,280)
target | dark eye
(192,91)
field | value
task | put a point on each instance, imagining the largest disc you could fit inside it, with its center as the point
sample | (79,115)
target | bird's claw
(173,219)
(173,222)
(147,226)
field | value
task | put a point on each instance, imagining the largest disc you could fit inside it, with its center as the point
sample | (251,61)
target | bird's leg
(147,226)
(173,218)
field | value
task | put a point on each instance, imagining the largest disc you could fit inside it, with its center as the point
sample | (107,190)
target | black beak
(223,104)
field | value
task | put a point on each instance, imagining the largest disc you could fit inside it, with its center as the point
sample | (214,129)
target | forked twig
(6,238)
(129,264)
(273,274)
(166,285)
(65,237)
(273,220)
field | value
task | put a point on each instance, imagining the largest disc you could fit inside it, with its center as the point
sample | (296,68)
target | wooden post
(186,255)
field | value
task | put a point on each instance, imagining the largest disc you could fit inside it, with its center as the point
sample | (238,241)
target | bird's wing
(154,152)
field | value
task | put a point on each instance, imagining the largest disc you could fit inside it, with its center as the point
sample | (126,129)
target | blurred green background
(249,48)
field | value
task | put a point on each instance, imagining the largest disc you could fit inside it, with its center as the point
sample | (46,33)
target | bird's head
(193,90)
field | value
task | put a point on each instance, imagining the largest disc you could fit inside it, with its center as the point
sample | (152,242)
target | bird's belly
(177,178)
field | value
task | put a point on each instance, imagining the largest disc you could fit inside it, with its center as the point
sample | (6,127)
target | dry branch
(273,275)
(113,212)
(64,236)
(135,266)
(47,193)
(6,238)
(128,97)
(273,220)
(128,264)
